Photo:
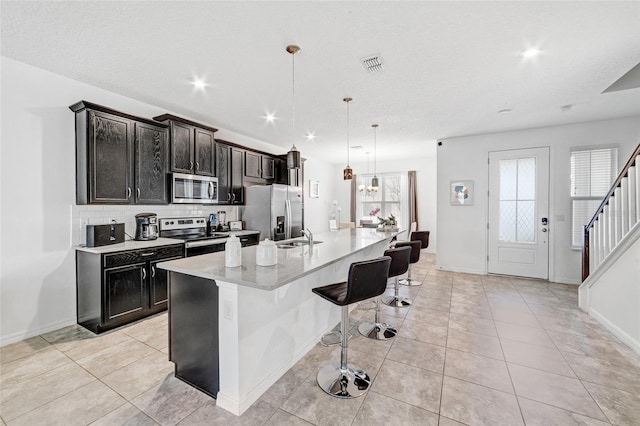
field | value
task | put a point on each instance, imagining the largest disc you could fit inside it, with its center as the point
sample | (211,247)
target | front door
(518,212)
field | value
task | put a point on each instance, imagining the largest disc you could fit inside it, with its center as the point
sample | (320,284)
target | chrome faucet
(309,235)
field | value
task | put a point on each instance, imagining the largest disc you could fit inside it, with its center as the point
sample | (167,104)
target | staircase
(610,289)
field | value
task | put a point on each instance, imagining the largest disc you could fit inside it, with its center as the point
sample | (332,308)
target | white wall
(462,231)
(39,220)
(426,183)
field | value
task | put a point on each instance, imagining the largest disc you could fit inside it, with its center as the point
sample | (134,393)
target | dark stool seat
(422,236)
(378,330)
(366,279)
(416,246)
(400,258)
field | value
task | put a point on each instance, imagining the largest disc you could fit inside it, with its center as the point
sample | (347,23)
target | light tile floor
(477,350)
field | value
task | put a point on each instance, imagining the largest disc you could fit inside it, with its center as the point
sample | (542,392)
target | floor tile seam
(478,384)
(153,418)
(560,408)
(59,396)
(474,353)
(401,401)
(596,401)
(575,377)
(125,365)
(3,363)
(532,344)
(603,358)
(53,400)
(100,379)
(446,341)
(64,365)
(417,366)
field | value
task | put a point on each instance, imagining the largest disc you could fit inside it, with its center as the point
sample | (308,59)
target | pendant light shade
(293,156)
(347,173)
(375,184)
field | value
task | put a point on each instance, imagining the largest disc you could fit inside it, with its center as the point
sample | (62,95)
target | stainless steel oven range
(194,231)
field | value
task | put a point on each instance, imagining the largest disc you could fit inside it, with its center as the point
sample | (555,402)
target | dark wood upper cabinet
(151,155)
(120,158)
(268,167)
(204,153)
(252,165)
(230,173)
(192,145)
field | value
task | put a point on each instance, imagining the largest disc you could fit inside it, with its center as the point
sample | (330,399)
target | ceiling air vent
(373,63)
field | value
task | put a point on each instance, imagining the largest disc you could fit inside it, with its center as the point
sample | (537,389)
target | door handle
(144,273)
(137,192)
(197,166)
(153,272)
(190,165)
(233,197)
(210,189)
(228,196)
(128,193)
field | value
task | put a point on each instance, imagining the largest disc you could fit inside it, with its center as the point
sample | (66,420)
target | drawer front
(134,256)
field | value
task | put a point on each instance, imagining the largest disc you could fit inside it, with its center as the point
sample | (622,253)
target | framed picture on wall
(462,193)
(314,189)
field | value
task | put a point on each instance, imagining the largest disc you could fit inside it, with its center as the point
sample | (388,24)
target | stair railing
(614,218)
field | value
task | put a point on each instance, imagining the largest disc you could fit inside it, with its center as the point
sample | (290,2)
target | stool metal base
(332,338)
(409,282)
(395,301)
(350,383)
(377,331)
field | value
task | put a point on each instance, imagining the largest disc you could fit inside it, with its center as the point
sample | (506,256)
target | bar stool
(400,258)
(423,236)
(415,257)
(367,279)
(378,330)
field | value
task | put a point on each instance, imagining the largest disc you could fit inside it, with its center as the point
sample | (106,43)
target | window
(592,173)
(391,197)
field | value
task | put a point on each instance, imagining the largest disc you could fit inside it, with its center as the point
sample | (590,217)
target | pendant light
(347,173)
(293,156)
(375,184)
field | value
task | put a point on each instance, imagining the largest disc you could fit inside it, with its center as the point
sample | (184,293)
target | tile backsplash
(100,215)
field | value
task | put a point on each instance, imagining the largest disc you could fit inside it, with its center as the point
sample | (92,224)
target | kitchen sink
(294,244)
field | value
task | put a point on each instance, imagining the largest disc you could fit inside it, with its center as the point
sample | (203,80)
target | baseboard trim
(22,335)
(615,330)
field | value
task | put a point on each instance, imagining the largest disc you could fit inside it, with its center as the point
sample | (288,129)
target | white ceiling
(448,66)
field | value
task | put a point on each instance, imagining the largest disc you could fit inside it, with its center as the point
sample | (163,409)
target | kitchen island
(233,332)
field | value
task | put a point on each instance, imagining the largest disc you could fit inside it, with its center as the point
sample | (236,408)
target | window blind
(592,173)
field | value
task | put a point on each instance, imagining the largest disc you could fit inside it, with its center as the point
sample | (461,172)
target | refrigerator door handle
(287,225)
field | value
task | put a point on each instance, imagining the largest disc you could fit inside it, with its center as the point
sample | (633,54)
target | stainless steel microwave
(194,189)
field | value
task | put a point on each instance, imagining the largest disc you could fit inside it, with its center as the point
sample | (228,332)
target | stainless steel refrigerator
(274,210)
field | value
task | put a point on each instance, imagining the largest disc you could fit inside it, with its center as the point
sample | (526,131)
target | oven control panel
(173,223)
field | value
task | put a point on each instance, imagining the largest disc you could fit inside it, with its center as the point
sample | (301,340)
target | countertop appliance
(194,231)
(274,210)
(146,226)
(194,189)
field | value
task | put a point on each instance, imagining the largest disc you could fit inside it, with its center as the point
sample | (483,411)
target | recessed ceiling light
(310,136)
(270,117)
(529,53)
(199,83)
(504,111)
(567,107)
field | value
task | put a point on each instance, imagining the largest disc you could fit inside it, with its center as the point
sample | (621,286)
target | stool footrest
(377,331)
(398,302)
(410,282)
(351,383)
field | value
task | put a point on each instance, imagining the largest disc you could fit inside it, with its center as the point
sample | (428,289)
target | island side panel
(273,330)
(193,331)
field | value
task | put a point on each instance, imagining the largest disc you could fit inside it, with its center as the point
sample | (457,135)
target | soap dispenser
(232,252)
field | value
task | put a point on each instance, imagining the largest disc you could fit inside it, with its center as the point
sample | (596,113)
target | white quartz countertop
(293,263)
(130,245)
(158,242)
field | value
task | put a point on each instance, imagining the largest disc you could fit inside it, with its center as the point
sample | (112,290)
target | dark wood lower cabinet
(117,288)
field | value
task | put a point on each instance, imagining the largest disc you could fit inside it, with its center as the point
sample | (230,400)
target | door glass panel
(517,200)
(507,220)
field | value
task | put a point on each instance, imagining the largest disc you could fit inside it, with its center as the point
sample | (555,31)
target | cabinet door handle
(197,166)
(144,273)
(190,165)
(228,196)
(233,197)
(153,272)
(210,190)
(128,193)
(137,192)
(150,253)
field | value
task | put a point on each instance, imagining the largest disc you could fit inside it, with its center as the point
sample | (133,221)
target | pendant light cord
(347,133)
(293,99)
